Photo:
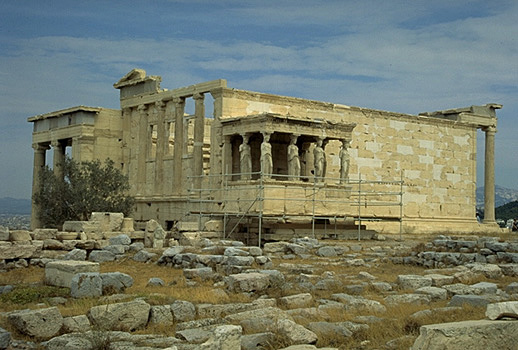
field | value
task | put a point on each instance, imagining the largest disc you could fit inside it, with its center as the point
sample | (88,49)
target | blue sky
(402,56)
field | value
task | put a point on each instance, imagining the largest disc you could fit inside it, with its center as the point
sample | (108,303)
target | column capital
(39,147)
(178,100)
(142,109)
(160,105)
(55,143)
(490,129)
(198,96)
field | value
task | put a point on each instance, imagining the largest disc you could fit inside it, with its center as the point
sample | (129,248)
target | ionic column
(39,164)
(59,158)
(489,176)
(142,149)
(178,144)
(199,136)
(160,148)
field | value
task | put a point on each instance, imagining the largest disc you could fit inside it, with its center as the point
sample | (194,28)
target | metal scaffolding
(245,196)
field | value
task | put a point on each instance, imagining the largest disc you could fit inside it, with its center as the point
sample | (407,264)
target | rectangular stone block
(483,334)
(60,273)
(82,226)
(108,221)
(19,250)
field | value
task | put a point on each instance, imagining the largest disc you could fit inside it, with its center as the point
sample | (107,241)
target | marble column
(58,157)
(160,147)
(199,136)
(39,164)
(489,176)
(142,149)
(178,144)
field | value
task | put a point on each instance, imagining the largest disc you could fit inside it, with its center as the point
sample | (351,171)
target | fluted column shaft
(489,176)
(179,142)
(39,164)
(199,136)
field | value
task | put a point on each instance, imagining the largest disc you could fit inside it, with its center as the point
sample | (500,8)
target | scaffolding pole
(238,193)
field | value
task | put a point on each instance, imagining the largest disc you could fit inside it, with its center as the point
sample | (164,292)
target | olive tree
(84,188)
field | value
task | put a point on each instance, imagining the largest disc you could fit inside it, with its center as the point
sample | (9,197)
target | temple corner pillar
(489,175)
(39,163)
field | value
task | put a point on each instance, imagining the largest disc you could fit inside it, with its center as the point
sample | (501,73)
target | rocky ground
(302,294)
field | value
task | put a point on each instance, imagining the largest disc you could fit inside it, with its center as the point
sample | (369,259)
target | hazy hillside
(10,205)
(502,196)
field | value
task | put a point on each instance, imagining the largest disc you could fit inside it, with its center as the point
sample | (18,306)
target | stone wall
(436,158)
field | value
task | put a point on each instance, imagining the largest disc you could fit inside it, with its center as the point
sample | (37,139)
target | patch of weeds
(99,340)
(28,294)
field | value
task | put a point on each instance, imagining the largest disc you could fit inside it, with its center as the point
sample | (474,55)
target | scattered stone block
(128,316)
(326,251)
(482,334)
(115,282)
(76,254)
(60,273)
(101,256)
(226,337)
(19,250)
(413,282)
(82,226)
(497,311)
(4,233)
(512,288)
(295,333)
(117,249)
(183,311)
(472,300)
(201,273)
(434,293)
(19,236)
(79,323)
(485,288)
(439,280)
(417,299)
(40,323)
(86,285)
(41,234)
(489,270)
(248,282)
(120,240)
(108,222)
(154,235)
(302,300)
(257,340)
(155,281)
(161,314)
(5,338)
(143,256)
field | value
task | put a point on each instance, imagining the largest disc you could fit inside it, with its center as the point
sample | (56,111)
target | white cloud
(398,55)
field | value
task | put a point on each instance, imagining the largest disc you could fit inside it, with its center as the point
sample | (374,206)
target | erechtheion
(275,165)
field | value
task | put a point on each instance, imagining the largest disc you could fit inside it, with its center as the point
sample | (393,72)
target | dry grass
(396,322)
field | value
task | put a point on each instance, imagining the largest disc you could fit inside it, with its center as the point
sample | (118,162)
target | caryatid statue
(245,158)
(344,161)
(266,155)
(293,158)
(319,160)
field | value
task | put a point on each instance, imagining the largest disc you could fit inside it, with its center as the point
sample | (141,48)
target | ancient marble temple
(279,164)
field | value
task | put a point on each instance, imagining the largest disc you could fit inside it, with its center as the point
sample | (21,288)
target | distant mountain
(502,196)
(10,205)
